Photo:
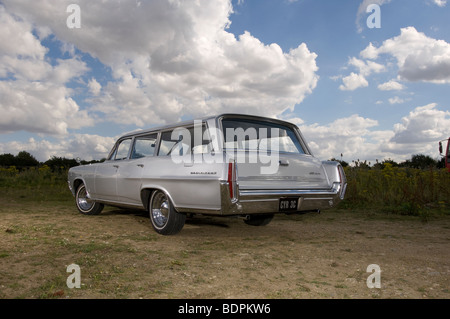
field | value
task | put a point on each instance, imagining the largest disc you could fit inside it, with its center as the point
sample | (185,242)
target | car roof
(190,122)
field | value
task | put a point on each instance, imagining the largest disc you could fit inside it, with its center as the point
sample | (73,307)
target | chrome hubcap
(83,201)
(160,210)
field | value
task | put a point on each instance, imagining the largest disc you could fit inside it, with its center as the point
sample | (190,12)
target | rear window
(254,135)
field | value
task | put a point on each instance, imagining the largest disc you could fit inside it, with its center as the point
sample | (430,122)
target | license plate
(288,204)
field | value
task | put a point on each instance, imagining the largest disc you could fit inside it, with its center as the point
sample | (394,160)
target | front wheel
(165,219)
(85,205)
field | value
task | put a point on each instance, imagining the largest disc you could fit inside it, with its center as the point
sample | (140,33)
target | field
(396,219)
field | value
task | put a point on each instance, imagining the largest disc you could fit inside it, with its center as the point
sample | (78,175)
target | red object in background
(447,153)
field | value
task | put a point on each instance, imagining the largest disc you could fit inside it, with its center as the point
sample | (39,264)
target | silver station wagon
(227,165)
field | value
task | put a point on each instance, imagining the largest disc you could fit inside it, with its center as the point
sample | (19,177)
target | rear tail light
(232,179)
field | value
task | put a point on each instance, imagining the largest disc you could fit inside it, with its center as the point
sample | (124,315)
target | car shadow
(206,220)
(195,220)
(121,211)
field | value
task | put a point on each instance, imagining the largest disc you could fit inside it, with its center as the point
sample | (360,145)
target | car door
(190,184)
(106,174)
(129,172)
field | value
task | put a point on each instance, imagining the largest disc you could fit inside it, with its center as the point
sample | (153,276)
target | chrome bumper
(266,201)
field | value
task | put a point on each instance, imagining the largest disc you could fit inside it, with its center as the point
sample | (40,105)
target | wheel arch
(77,182)
(146,194)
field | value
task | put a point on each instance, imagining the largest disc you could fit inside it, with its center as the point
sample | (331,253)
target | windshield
(248,135)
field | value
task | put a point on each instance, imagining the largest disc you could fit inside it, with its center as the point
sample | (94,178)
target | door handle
(116,166)
(283,162)
(140,165)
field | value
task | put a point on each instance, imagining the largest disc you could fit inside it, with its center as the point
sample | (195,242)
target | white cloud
(94,86)
(353,81)
(345,135)
(87,147)
(358,138)
(370,52)
(173,59)
(425,124)
(39,107)
(419,58)
(440,3)
(396,100)
(418,133)
(16,38)
(33,95)
(366,67)
(391,85)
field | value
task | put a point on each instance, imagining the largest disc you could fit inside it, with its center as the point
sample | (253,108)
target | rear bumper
(266,201)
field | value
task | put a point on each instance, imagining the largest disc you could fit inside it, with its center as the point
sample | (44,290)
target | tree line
(25,160)
(419,161)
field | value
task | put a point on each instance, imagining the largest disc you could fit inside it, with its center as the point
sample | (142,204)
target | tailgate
(284,171)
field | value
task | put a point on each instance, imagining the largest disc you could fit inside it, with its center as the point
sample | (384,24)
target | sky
(368,79)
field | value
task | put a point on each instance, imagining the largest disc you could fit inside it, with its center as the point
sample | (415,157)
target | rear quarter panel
(195,185)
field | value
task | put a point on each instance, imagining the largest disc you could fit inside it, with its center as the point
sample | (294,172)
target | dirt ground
(314,255)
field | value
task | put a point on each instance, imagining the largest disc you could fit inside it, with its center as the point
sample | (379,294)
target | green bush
(34,183)
(401,190)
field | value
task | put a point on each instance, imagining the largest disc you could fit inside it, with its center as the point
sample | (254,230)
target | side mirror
(78,160)
(440,147)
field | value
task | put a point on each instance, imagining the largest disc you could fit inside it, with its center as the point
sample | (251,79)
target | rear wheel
(165,219)
(85,205)
(259,220)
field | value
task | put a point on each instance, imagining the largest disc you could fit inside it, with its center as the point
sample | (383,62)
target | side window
(144,146)
(206,145)
(167,144)
(121,152)
(182,141)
